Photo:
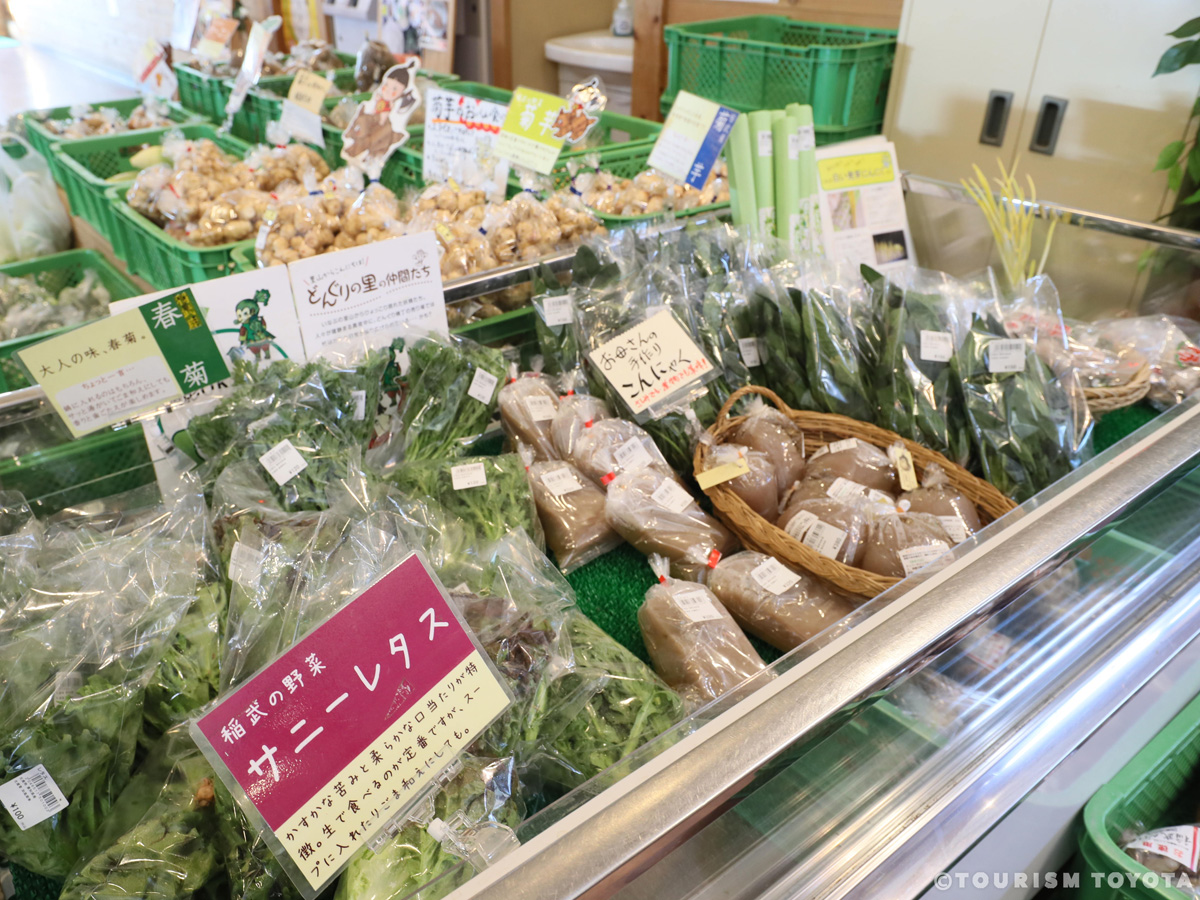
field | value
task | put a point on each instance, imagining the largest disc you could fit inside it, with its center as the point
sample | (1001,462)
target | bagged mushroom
(571,508)
(938,497)
(527,408)
(776,604)
(901,543)
(649,509)
(757,486)
(770,432)
(693,642)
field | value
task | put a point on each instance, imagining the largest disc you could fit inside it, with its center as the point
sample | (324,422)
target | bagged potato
(650,510)
(612,446)
(855,461)
(769,431)
(571,508)
(834,528)
(774,603)
(575,413)
(694,643)
(898,544)
(527,407)
(937,497)
(759,487)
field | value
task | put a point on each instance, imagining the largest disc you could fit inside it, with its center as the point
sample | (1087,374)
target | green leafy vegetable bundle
(835,353)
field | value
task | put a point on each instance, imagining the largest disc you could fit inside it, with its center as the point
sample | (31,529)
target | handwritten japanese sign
(691,139)
(369,289)
(114,369)
(456,127)
(651,363)
(308,90)
(529,136)
(346,729)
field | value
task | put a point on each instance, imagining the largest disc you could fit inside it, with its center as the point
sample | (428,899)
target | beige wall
(533,22)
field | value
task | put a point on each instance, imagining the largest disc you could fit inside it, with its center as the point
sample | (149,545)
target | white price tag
(559,310)
(936,346)
(793,146)
(541,408)
(32,797)
(697,606)
(1006,355)
(470,475)
(765,146)
(836,447)
(751,351)
(631,456)
(561,481)
(483,386)
(826,539)
(245,564)
(916,558)
(672,497)
(845,491)
(954,527)
(799,524)
(67,685)
(1181,843)
(283,462)
(806,135)
(774,576)
(902,459)
(360,405)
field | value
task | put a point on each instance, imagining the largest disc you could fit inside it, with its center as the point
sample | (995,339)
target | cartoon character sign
(584,105)
(381,123)
(252,327)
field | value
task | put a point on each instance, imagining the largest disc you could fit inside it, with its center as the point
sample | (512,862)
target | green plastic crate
(86,163)
(97,465)
(611,222)
(766,62)
(1156,788)
(244,258)
(55,272)
(41,138)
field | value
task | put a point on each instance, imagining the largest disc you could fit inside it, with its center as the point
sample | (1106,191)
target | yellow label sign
(721,474)
(309,90)
(855,171)
(532,135)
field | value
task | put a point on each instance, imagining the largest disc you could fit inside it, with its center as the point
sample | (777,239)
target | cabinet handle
(995,118)
(1049,121)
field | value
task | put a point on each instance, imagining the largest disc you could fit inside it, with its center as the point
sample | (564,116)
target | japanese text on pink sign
(345,730)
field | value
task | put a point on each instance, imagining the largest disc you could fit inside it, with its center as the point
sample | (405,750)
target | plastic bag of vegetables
(76,654)
(21,541)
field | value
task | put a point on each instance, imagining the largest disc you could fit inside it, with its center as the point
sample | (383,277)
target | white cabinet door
(951,55)
(1099,55)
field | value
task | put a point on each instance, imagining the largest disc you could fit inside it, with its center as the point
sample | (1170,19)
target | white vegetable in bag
(32,219)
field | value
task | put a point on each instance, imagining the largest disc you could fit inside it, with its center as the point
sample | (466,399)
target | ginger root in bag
(779,605)
(694,643)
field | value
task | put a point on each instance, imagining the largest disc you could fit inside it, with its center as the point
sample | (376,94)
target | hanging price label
(530,136)
(309,90)
(692,138)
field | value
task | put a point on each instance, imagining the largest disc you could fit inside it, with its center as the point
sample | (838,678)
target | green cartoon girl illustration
(252,328)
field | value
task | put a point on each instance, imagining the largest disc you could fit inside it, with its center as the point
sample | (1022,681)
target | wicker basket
(821,429)
(1106,399)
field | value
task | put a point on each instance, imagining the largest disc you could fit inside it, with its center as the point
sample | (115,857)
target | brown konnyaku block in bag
(527,407)
(571,508)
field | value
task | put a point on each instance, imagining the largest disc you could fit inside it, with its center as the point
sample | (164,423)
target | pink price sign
(345,730)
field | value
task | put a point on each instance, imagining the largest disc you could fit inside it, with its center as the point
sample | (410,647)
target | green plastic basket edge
(157,234)
(697,29)
(619,221)
(1096,846)
(34,120)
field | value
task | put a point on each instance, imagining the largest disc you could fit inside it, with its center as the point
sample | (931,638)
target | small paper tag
(807,136)
(845,491)
(826,539)
(67,685)
(697,606)
(541,408)
(799,524)
(916,558)
(245,564)
(559,310)
(954,527)
(774,576)
(936,346)
(561,481)
(793,146)
(989,650)
(721,474)
(632,456)
(260,240)
(839,446)
(360,405)
(32,797)
(309,90)
(903,462)
(483,386)
(470,475)
(765,145)
(1006,355)
(672,497)
(283,462)
(1181,843)
(751,351)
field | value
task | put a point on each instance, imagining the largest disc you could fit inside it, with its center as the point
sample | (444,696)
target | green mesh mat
(1120,423)
(34,887)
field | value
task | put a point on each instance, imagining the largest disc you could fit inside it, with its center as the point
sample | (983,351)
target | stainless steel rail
(596,842)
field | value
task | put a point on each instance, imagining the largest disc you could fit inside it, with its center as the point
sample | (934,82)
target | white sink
(599,51)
